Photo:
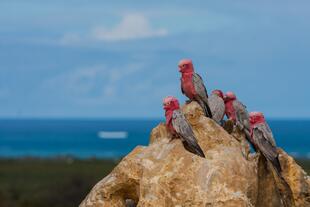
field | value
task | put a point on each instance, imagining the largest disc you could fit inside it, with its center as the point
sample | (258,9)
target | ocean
(113,138)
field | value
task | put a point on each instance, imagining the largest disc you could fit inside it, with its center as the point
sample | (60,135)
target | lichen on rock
(164,174)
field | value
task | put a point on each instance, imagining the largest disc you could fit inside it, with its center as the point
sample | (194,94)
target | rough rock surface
(164,174)
(297,179)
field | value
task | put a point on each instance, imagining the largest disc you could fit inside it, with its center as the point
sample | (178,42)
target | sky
(118,59)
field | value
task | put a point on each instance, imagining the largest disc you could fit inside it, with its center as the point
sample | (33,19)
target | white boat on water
(113,135)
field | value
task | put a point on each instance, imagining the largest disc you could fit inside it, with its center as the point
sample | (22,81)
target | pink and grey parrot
(217,105)
(192,86)
(262,139)
(237,112)
(178,125)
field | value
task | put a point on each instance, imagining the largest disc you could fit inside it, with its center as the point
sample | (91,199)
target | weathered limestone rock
(164,174)
(297,179)
(268,194)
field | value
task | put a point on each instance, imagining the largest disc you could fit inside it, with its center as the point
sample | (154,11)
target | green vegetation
(62,182)
(305,164)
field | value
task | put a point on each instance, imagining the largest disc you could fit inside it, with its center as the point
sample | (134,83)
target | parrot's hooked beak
(165,106)
(180,69)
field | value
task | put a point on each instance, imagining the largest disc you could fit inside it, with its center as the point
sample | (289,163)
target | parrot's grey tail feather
(209,113)
(204,105)
(200,152)
(194,149)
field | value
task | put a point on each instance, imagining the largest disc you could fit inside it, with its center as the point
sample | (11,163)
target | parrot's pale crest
(229,96)
(219,93)
(186,66)
(257,118)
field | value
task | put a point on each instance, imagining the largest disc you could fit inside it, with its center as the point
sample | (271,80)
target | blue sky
(99,59)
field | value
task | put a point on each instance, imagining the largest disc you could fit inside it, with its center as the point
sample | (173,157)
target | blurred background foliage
(58,182)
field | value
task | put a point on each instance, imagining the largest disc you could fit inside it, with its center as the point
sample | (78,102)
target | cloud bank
(131,27)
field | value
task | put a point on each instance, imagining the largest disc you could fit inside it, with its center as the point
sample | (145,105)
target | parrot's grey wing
(202,94)
(267,133)
(217,107)
(182,86)
(266,148)
(242,114)
(199,86)
(185,131)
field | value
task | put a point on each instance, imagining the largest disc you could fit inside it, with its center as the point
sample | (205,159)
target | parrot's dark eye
(183,66)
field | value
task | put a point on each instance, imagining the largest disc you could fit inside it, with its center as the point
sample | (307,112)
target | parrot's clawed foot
(229,126)
(241,127)
(173,137)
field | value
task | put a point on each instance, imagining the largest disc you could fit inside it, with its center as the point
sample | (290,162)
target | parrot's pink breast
(188,86)
(168,115)
(230,111)
(251,131)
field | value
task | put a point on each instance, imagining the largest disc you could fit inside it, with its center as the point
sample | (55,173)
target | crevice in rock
(130,203)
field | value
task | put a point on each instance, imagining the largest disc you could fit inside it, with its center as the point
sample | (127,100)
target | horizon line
(126,118)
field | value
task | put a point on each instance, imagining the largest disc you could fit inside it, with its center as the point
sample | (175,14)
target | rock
(130,203)
(297,179)
(165,174)
(268,194)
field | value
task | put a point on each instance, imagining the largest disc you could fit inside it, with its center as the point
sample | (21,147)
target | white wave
(113,135)
(294,154)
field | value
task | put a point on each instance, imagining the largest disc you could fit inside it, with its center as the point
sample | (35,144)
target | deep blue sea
(112,138)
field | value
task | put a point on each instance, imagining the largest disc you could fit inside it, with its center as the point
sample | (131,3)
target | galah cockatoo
(192,86)
(217,105)
(237,112)
(179,127)
(262,139)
